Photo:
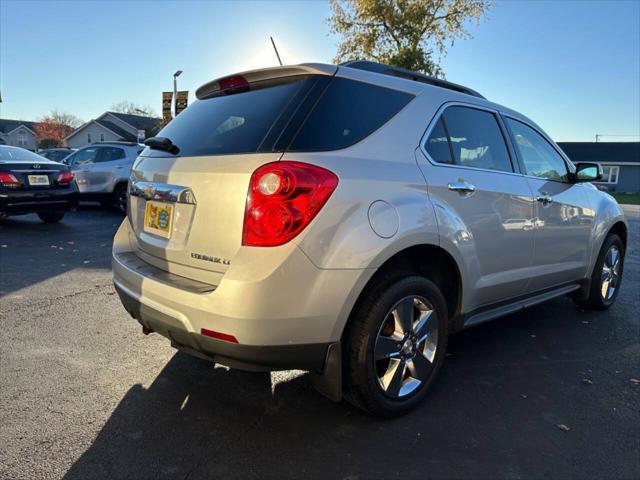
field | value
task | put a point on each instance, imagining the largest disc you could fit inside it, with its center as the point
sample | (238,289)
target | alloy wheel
(406,346)
(610,273)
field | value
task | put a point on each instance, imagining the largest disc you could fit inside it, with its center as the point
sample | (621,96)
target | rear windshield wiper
(161,143)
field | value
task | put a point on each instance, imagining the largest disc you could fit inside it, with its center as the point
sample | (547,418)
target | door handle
(462,187)
(544,199)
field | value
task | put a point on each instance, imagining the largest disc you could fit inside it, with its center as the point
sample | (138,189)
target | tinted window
(227,124)
(58,155)
(109,154)
(346,113)
(476,139)
(540,159)
(438,144)
(85,156)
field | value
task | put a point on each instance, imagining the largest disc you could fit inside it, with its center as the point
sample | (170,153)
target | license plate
(158,218)
(35,180)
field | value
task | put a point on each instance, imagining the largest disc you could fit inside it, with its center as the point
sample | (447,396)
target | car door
(110,161)
(563,217)
(483,206)
(82,164)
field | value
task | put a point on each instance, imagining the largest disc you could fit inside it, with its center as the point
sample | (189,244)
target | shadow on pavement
(32,251)
(493,414)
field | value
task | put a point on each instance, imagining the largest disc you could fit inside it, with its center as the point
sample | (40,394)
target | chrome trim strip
(162,192)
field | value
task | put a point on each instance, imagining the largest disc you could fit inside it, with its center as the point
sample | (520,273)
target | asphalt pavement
(84,394)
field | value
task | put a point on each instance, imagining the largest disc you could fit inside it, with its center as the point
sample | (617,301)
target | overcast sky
(573,67)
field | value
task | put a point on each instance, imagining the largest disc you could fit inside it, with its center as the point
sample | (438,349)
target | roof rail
(116,142)
(408,74)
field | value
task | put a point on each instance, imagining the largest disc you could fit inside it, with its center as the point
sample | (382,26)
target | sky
(571,66)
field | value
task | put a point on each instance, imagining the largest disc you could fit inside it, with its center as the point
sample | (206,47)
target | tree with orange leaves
(53,128)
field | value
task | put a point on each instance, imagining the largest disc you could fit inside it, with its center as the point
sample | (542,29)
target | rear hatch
(187,197)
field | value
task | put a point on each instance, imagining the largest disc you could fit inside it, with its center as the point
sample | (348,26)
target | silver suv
(102,171)
(345,220)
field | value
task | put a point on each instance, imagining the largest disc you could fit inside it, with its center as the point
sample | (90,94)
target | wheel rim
(406,346)
(610,277)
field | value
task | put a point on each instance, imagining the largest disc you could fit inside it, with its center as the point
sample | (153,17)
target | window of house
(610,174)
(469,137)
(88,138)
(22,139)
(102,137)
(540,159)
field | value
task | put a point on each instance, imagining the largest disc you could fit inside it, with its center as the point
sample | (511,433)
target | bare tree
(133,109)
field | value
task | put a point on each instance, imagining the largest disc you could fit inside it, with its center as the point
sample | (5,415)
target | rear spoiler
(214,86)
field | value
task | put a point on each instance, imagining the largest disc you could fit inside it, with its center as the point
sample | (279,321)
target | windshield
(16,154)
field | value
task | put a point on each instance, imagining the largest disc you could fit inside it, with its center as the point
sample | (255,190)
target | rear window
(348,112)
(228,124)
(305,113)
(13,154)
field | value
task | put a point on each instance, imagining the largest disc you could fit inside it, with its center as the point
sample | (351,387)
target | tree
(53,128)
(412,34)
(133,109)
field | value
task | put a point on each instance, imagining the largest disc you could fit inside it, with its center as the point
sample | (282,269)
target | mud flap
(329,382)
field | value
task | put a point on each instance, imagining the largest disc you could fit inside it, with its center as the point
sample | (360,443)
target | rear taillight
(65,178)
(9,179)
(283,199)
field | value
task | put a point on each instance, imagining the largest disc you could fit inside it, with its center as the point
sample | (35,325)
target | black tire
(597,300)
(50,217)
(364,376)
(120,199)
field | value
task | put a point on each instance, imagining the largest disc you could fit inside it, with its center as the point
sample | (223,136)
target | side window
(540,159)
(347,112)
(476,139)
(437,145)
(86,156)
(109,154)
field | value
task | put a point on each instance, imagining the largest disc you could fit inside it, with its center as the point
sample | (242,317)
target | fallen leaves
(635,381)
(563,427)
(587,381)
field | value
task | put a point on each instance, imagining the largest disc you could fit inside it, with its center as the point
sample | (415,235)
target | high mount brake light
(65,178)
(8,179)
(233,84)
(283,198)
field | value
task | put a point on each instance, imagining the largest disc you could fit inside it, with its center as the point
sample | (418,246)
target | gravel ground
(83,394)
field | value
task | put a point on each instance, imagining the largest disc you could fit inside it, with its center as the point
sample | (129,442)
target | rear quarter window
(347,112)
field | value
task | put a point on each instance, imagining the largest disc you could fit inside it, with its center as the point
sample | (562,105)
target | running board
(475,318)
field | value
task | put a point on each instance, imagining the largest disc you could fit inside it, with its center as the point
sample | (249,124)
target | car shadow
(32,251)
(493,413)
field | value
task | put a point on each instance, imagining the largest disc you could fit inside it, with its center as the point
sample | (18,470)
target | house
(620,162)
(18,133)
(114,126)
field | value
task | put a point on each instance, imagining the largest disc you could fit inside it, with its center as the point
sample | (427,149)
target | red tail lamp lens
(233,84)
(8,179)
(65,178)
(283,199)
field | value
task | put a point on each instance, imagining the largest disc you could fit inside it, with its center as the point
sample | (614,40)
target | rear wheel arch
(430,261)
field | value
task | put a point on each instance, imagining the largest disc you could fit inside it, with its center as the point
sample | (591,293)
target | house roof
(124,135)
(139,122)
(602,152)
(7,126)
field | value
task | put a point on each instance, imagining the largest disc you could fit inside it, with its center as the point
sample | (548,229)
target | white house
(18,133)
(113,126)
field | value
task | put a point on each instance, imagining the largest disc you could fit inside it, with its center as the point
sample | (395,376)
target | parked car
(345,220)
(102,171)
(56,154)
(30,183)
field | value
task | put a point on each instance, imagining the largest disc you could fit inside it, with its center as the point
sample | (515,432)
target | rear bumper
(284,314)
(309,357)
(19,203)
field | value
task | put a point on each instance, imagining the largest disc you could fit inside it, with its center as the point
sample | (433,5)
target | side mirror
(588,172)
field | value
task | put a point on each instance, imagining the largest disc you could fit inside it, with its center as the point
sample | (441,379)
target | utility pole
(175,92)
